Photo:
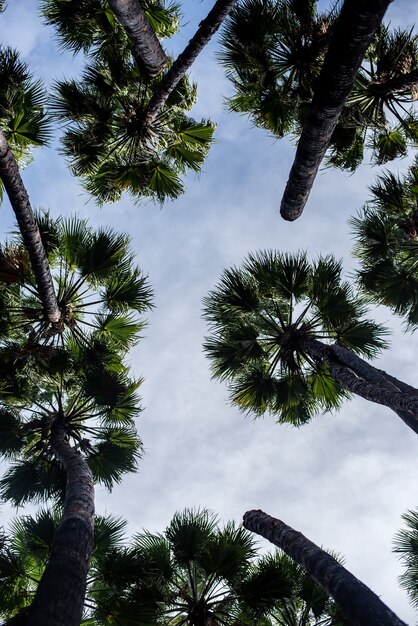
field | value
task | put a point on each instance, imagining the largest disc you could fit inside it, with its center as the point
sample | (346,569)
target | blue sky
(344,480)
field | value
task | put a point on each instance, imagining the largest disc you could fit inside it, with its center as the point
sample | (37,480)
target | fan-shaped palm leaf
(263,318)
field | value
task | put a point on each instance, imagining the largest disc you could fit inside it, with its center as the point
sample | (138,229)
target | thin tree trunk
(146,43)
(59,599)
(353,33)
(207,28)
(359,377)
(359,604)
(15,189)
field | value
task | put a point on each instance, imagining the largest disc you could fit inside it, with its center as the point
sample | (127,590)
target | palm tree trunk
(353,33)
(359,377)
(146,44)
(59,599)
(359,604)
(12,181)
(169,82)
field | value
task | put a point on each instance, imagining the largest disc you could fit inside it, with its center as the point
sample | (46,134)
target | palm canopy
(84,393)
(406,546)
(99,289)
(273,51)
(22,106)
(386,233)
(106,140)
(266,316)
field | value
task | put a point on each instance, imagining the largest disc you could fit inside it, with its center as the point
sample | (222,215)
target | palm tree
(274,53)
(105,139)
(386,232)
(287,335)
(67,401)
(353,33)
(99,290)
(126,132)
(74,414)
(406,546)
(360,605)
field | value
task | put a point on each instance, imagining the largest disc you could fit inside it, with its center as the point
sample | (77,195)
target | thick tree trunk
(359,377)
(169,82)
(146,44)
(353,33)
(15,189)
(359,604)
(59,600)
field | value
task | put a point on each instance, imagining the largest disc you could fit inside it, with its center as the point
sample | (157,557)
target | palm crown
(99,289)
(386,243)
(273,51)
(107,140)
(86,395)
(266,316)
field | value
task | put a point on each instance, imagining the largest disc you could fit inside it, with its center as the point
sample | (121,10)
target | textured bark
(146,44)
(357,376)
(353,33)
(15,189)
(169,82)
(59,599)
(359,604)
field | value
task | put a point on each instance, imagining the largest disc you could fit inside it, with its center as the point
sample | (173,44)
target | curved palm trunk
(359,377)
(59,600)
(359,604)
(353,33)
(12,181)
(207,28)
(146,43)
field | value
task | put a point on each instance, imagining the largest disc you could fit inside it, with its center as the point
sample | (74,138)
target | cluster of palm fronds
(106,140)
(273,51)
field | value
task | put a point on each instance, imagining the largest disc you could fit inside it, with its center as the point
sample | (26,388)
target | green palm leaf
(116,454)
(262,319)
(189,532)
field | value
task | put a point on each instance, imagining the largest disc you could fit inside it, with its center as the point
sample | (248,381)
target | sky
(343,480)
